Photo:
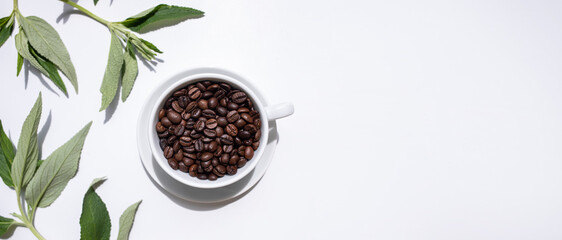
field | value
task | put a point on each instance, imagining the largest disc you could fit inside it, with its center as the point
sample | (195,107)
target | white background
(414,119)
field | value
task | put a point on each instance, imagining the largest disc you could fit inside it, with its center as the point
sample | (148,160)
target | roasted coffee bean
(222,111)
(190,123)
(207,94)
(257,136)
(180,93)
(210,133)
(199,125)
(248,142)
(242,162)
(227,148)
(200,86)
(195,134)
(226,139)
(225,158)
(249,153)
(211,123)
(160,128)
(220,131)
(208,113)
(232,116)
(213,146)
(185,115)
(213,87)
(212,177)
(231,130)
(191,155)
(216,172)
(168,103)
(186,141)
(183,101)
(205,164)
(221,121)
(239,97)
(218,153)
(191,106)
(168,152)
(183,122)
(182,167)
(199,168)
(238,141)
(174,117)
(213,102)
(223,102)
(173,164)
(247,117)
(198,145)
(189,149)
(232,106)
(164,134)
(257,122)
(194,93)
(243,110)
(244,135)
(163,143)
(166,122)
(202,176)
(176,146)
(203,104)
(196,113)
(208,169)
(251,128)
(225,86)
(176,107)
(255,145)
(206,156)
(188,161)
(220,94)
(161,114)
(215,162)
(241,150)
(240,123)
(231,170)
(179,130)
(234,159)
(193,170)
(207,139)
(207,83)
(221,169)
(172,139)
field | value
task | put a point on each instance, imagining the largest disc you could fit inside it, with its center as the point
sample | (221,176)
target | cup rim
(223,76)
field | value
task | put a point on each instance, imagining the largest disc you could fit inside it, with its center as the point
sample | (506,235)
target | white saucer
(180,190)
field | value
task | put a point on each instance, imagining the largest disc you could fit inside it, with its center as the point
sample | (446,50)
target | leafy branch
(40,183)
(38,43)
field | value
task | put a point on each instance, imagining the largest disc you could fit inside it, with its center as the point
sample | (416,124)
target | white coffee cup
(267,113)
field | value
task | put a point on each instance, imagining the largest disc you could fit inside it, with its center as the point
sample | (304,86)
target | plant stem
(90,14)
(16,6)
(25,218)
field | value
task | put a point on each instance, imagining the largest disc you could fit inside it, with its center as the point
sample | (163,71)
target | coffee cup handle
(278,111)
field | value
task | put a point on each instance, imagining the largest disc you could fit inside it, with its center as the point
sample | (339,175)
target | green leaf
(6,157)
(25,160)
(54,174)
(130,71)
(96,2)
(22,45)
(151,46)
(94,221)
(159,16)
(20,64)
(126,221)
(5,224)
(112,72)
(45,39)
(51,70)
(6,29)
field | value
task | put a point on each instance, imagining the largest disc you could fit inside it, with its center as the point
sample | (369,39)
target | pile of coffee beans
(208,129)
